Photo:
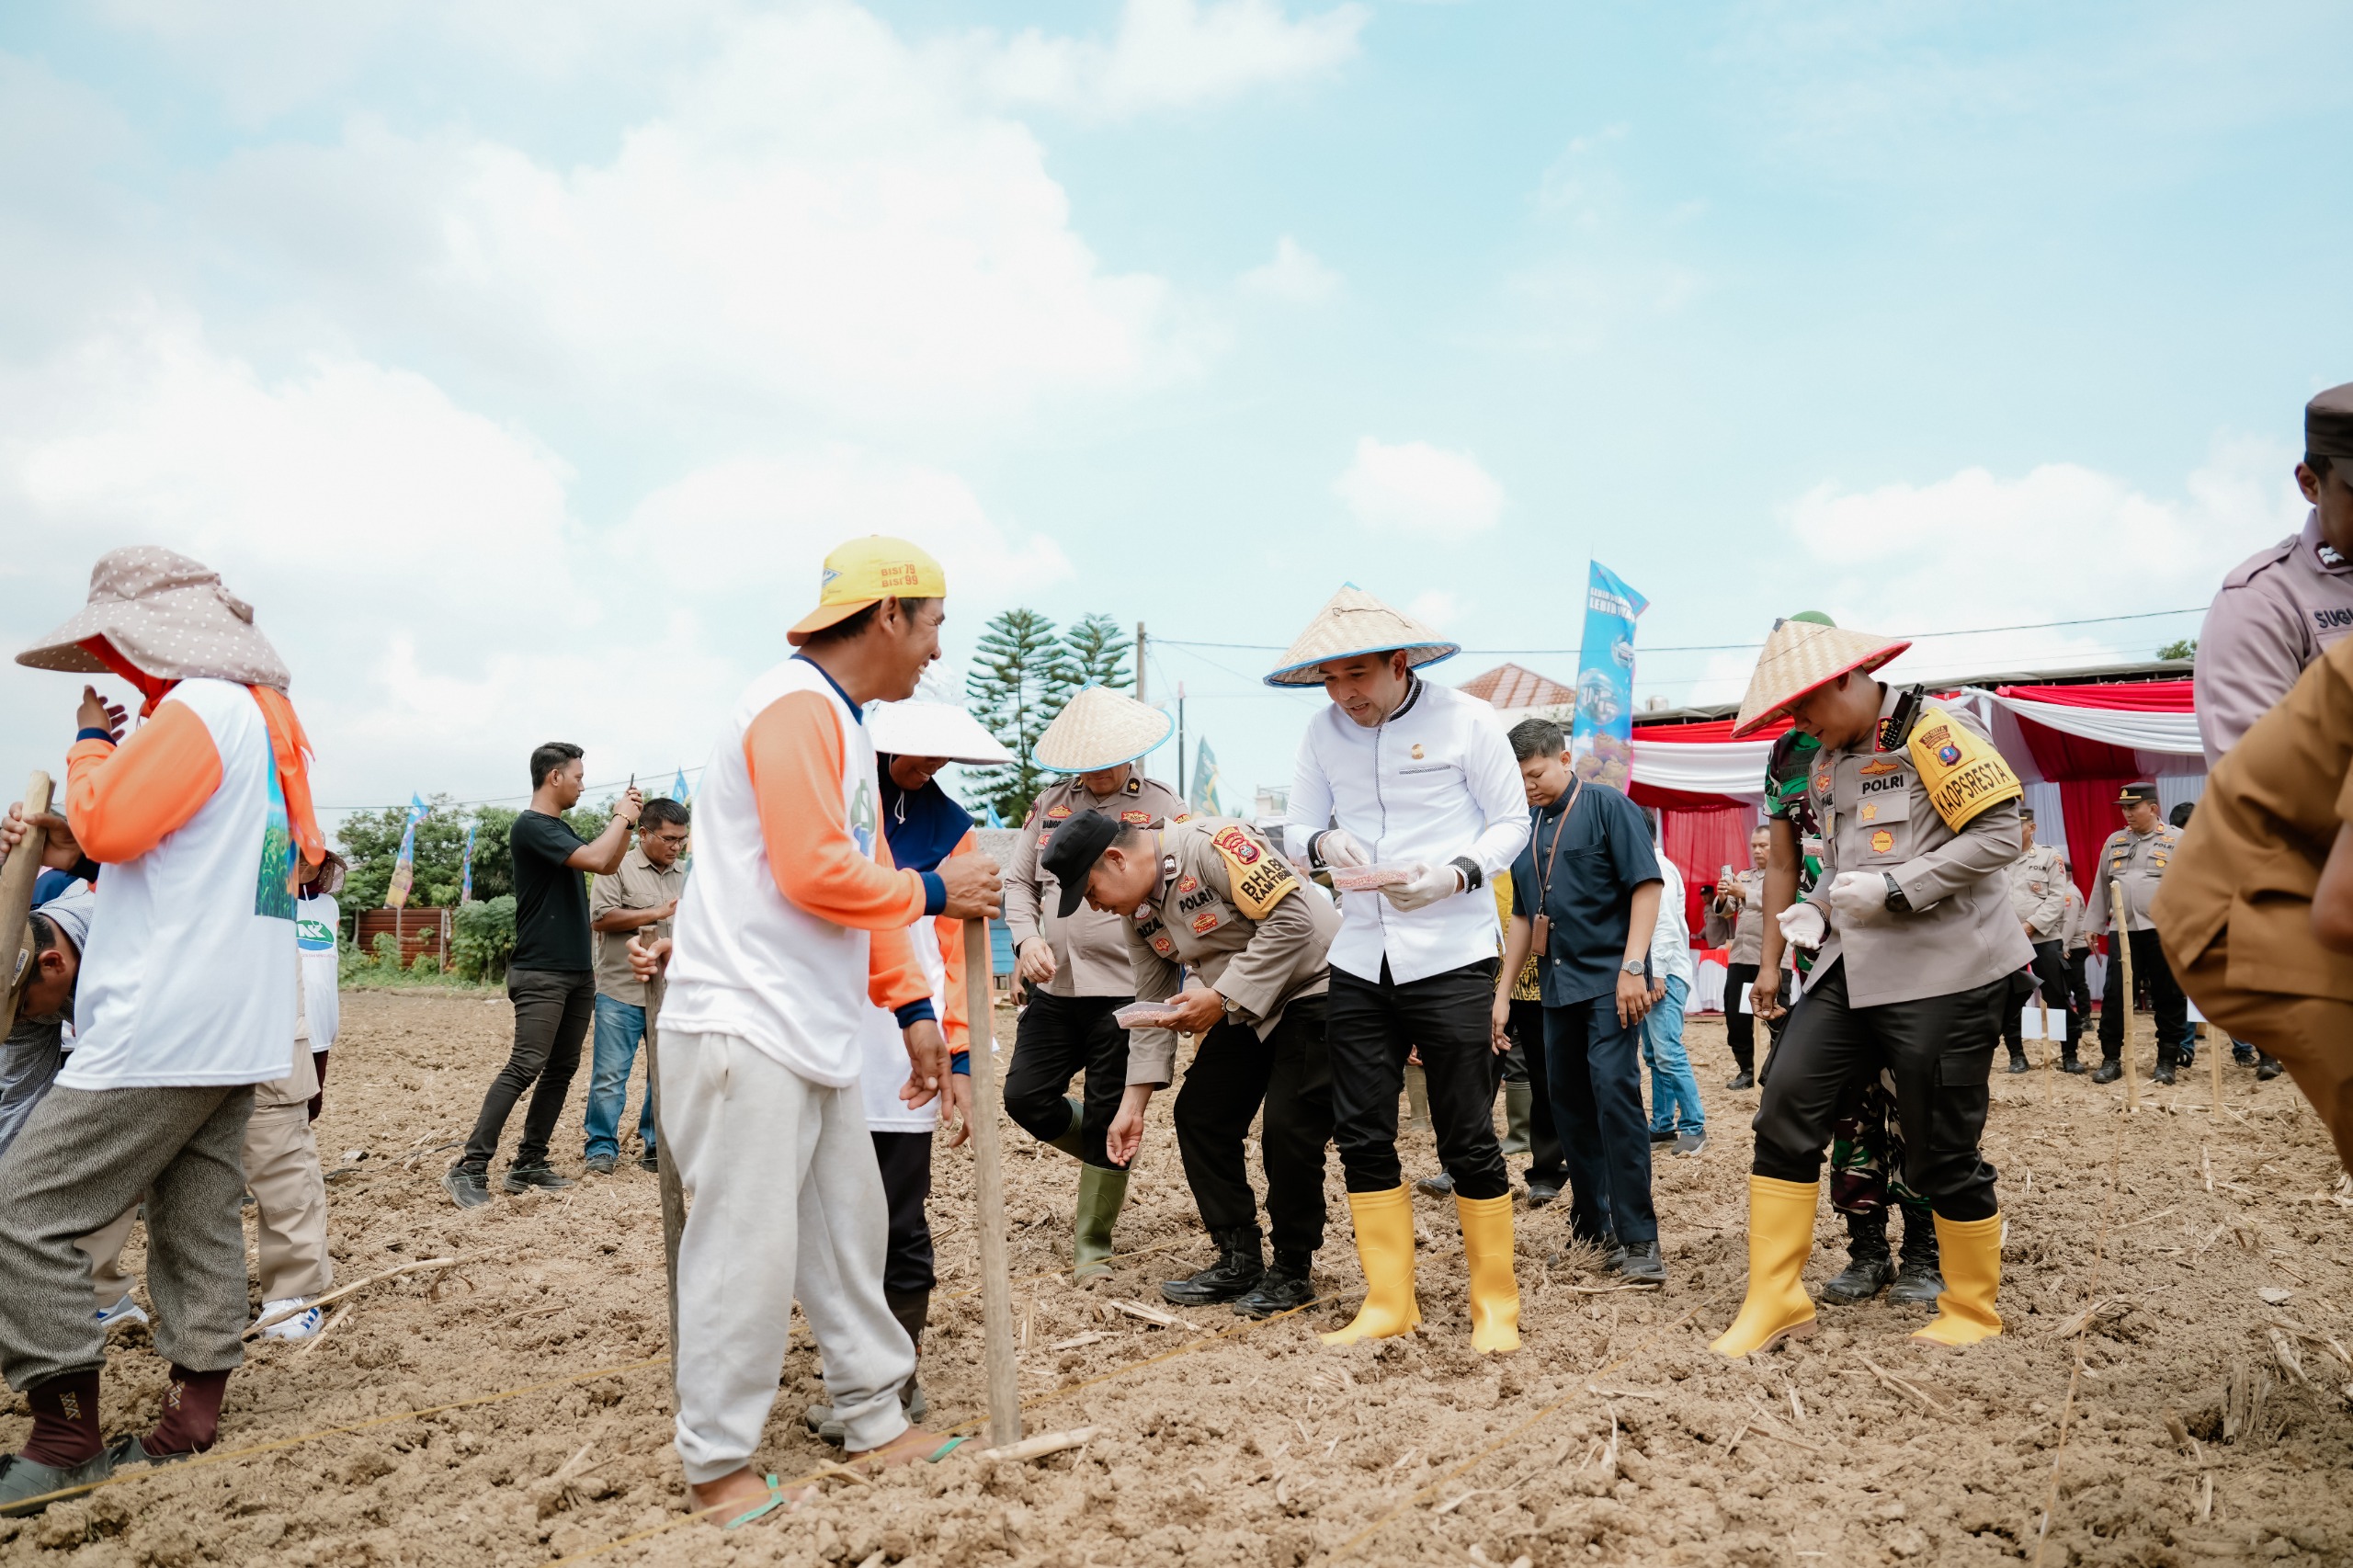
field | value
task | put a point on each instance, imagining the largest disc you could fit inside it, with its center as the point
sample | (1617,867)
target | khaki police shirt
(2078,939)
(2139,861)
(2279,610)
(2038,895)
(1230,907)
(1090,949)
(1748,945)
(636,885)
(1879,815)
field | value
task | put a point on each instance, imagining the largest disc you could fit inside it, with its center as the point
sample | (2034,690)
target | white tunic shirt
(1433,781)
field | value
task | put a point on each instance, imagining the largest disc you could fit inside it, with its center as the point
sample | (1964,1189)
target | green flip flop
(777,1499)
(947,1448)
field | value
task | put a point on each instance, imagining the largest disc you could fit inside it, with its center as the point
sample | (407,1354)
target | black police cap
(1071,853)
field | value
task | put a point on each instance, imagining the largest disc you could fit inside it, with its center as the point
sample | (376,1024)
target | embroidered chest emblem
(1057,814)
(1417,750)
(1136,819)
(1187,884)
(1205,922)
(1882,841)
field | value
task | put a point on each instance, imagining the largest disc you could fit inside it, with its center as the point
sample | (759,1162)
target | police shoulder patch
(1261,879)
(1963,774)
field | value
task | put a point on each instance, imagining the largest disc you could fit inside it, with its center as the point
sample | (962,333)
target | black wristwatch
(1896,899)
(1473,879)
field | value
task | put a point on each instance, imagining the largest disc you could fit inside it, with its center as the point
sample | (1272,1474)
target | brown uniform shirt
(2139,861)
(1090,949)
(2277,612)
(2037,892)
(1748,945)
(1883,812)
(2078,939)
(636,885)
(2249,862)
(1229,906)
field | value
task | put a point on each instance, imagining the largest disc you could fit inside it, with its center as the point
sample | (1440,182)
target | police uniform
(2079,952)
(2138,860)
(1067,1028)
(1229,908)
(1917,989)
(2038,887)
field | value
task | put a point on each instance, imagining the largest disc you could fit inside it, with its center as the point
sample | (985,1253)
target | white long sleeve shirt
(1671,941)
(1433,781)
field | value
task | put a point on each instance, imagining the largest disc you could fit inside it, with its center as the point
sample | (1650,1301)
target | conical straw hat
(921,728)
(1100,728)
(1353,622)
(1805,653)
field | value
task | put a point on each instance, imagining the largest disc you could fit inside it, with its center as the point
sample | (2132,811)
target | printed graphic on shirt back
(274,884)
(862,819)
(313,935)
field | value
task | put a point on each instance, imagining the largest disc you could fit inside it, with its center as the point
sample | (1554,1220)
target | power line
(615,785)
(1738,647)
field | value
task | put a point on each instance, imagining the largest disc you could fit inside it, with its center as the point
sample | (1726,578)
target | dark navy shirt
(1605,853)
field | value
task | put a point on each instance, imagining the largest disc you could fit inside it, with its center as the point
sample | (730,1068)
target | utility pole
(1181,743)
(1141,696)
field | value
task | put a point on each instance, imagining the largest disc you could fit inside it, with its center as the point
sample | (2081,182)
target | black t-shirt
(1605,855)
(550,898)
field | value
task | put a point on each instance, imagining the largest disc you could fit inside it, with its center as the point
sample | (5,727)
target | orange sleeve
(894,976)
(794,752)
(956,1021)
(125,799)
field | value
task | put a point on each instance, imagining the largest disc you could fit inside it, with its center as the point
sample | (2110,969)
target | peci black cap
(2328,424)
(1071,855)
(2132,793)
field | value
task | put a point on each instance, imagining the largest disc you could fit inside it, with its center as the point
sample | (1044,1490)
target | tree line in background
(1022,676)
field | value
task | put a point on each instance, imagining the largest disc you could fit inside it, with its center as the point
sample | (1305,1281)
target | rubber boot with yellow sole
(1495,1288)
(1384,1226)
(1971,1255)
(1780,1237)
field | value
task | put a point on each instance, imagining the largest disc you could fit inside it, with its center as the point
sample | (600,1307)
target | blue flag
(1601,736)
(1205,801)
(678,791)
(466,872)
(405,865)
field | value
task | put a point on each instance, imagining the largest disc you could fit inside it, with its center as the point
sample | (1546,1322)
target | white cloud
(1416,489)
(1294,274)
(1436,608)
(1168,54)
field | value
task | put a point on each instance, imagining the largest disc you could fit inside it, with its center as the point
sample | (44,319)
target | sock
(65,1419)
(191,1413)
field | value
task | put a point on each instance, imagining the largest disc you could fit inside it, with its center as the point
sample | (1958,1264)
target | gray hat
(69,912)
(169,617)
(2328,424)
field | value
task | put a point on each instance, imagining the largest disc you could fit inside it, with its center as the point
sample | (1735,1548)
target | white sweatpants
(786,1200)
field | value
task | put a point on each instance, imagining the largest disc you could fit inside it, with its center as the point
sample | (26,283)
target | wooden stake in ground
(988,1183)
(674,1196)
(2214,1066)
(16,878)
(2121,953)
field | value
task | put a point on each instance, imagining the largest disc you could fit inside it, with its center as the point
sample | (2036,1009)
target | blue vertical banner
(1601,736)
(466,872)
(405,867)
(1205,781)
(678,791)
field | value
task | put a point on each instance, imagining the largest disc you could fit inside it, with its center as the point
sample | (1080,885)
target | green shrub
(388,950)
(483,939)
(426,966)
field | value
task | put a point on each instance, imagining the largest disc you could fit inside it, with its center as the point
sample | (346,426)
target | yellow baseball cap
(867,571)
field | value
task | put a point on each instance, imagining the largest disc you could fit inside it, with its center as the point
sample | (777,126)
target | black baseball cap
(1071,855)
(2136,792)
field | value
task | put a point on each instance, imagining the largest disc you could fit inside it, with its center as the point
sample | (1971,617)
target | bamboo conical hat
(1804,653)
(1351,623)
(1100,728)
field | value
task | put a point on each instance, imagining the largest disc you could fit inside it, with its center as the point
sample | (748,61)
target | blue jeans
(1595,1071)
(619,1028)
(1675,1093)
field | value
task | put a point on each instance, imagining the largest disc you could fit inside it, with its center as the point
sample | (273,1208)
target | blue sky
(520,362)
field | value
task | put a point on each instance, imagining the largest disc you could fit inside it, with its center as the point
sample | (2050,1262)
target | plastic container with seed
(1144,1016)
(1369,879)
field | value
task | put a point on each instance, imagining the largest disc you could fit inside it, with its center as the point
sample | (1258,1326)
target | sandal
(779,1497)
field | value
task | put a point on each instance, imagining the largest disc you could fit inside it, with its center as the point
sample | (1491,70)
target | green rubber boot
(1069,1142)
(1101,1194)
(1519,1101)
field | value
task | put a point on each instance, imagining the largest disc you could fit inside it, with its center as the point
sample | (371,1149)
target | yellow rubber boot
(1495,1288)
(1780,1237)
(1969,1256)
(1384,1225)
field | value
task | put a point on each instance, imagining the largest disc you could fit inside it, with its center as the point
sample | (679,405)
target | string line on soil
(1514,1433)
(1057,1273)
(2075,1365)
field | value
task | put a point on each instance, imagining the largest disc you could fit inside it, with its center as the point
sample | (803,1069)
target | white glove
(1336,848)
(1859,898)
(1803,927)
(1430,884)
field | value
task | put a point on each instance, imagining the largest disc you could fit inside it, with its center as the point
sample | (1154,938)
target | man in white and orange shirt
(185,1000)
(794,924)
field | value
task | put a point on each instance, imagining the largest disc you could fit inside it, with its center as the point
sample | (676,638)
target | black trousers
(905,1160)
(1546,1161)
(1233,1074)
(1939,1051)
(2050,978)
(1058,1038)
(2149,966)
(1371,1027)
(1594,1063)
(2079,985)
(553,1009)
(1740,1028)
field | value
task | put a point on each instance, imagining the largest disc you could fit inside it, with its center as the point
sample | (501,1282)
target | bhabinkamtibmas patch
(1962,771)
(1260,878)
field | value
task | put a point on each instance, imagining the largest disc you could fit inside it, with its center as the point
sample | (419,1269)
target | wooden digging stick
(674,1196)
(16,878)
(2120,938)
(988,1181)
(2214,1065)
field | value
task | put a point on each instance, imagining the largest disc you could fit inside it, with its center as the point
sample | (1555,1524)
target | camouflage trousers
(1867,1152)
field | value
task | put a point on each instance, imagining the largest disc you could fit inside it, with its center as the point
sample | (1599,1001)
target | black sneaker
(2070,1063)
(1541,1192)
(2109,1071)
(468,1188)
(602,1164)
(649,1161)
(1237,1269)
(2164,1075)
(2267,1067)
(1280,1289)
(2018,1065)
(1438,1186)
(522,1178)
(1640,1264)
(1743,1079)
(1865,1276)
(1662,1135)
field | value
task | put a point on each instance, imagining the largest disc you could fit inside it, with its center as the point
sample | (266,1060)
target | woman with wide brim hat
(1075,967)
(199,818)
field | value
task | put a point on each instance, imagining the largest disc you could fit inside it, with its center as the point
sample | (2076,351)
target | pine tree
(1019,679)
(1095,653)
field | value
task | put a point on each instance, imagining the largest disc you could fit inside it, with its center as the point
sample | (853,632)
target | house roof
(1510,688)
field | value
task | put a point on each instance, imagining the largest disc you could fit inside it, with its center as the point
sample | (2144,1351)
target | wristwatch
(1896,902)
(1631,966)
